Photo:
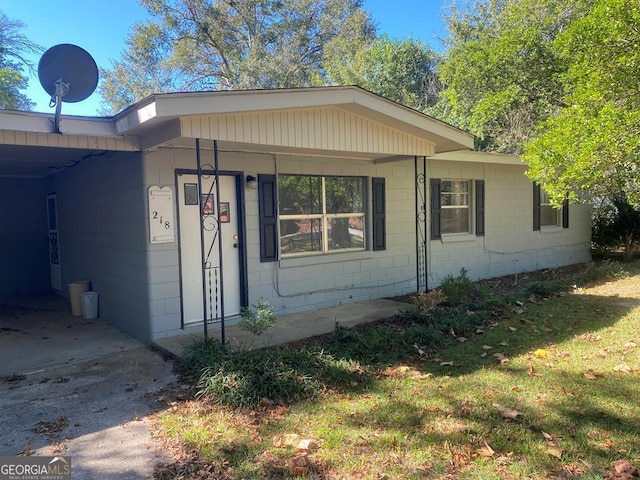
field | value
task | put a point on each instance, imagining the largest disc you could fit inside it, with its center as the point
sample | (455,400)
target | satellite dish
(69,74)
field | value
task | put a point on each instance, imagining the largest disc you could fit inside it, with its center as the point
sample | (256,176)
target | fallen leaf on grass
(299,465)
(295,440)
(623,470)
(532,372)
(591,337)
(622,368)
(555,451)
(552,447)
(540,353)
(501,358)
(507,413)
(590,375)
(446,364)
(487,347)
(485,451)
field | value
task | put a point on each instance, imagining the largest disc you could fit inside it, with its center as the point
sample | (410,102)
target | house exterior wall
(292,285)
(301,284)
(104,235)
(510,245)
(102,215)
(24,247)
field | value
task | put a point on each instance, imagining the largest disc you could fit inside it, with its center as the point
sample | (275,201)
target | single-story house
(187,207)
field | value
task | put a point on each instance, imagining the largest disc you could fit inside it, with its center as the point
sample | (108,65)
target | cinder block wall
(510,245)
(102,226)
(302,284)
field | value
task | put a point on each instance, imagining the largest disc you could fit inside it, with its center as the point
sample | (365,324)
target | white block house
(187,207)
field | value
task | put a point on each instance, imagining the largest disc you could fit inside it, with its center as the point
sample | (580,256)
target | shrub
(546,288)
(257,319)
(429,301)
(457,289)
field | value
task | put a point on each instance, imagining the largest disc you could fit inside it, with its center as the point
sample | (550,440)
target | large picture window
(320,214)
(455,203)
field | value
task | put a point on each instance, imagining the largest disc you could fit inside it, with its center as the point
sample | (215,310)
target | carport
(38,334)
(30,260)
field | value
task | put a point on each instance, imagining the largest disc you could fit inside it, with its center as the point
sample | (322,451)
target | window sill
(551,229)
(325,258)
(458,237)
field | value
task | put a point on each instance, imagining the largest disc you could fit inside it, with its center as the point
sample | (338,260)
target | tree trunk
(629,247)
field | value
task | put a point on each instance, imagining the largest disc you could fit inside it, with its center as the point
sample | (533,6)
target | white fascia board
(480,157)
(43,123)
(136,115)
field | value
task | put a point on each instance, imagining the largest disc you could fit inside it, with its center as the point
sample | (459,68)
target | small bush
(546,288)
(457,289)
(429,301)
(257,319)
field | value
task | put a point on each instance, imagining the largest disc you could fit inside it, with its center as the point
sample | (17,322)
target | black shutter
(268,210)
(565,213)
(435,209)
(379,215)
(536,206)
(480,208)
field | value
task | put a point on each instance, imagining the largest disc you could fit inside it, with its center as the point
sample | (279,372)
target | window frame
(468,206)
(546,206)
(563,212)
(326,218)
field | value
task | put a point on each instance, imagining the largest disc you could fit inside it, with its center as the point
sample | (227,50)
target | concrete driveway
(79,388)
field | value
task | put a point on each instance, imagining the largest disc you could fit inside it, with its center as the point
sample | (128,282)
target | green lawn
(522,387)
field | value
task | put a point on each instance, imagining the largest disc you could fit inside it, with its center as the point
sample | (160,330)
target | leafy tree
(401,70)
(14,49)
(593,144)
(227,44)
(502,74)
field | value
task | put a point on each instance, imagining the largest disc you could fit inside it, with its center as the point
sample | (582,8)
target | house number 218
(166,224)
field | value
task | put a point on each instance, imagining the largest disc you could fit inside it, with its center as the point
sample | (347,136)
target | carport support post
(220,256)
(202,260)
(421,223)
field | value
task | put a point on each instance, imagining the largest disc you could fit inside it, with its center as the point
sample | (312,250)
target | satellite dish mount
(69,74)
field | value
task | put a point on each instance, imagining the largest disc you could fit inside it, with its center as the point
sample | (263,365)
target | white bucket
(90,305)
(75,291)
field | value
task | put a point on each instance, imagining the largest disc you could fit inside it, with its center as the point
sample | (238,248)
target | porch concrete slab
(293,327)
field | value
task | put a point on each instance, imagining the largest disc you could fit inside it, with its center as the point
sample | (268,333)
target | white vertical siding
(328,129)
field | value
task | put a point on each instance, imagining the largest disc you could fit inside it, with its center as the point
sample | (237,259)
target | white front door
(192,205)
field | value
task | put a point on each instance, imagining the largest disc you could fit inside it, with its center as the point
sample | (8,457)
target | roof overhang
(29,146)
(160,111)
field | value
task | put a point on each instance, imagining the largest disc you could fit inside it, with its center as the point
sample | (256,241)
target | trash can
(90,305)
(75,290)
